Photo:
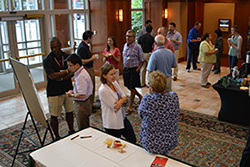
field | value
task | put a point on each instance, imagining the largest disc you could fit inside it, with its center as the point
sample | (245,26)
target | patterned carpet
(203,140)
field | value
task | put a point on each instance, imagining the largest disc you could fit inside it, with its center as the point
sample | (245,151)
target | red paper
(159,162)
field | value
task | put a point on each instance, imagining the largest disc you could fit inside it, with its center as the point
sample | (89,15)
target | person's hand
(117,105)
(198,39)
(137,70)
(69,93)
(94,57)
(171,39)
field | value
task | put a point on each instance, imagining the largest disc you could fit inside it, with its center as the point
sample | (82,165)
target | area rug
(203,140)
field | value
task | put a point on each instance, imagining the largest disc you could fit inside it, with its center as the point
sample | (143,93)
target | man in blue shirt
(193,46)
(163,60)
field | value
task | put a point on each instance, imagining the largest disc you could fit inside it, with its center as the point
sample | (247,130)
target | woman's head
(108,73)
(218,33)
(235,29)
(206,36)
(111,42)
(157,81)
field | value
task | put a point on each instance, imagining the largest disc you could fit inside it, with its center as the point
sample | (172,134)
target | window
(137,9)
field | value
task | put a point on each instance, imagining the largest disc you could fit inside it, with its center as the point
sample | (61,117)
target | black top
(146,41)
(84,52)
(56,88)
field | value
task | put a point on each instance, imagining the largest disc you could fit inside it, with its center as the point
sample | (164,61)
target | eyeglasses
(129,36)
(71,65)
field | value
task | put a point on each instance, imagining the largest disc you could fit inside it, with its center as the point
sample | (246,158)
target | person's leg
(234,61)
(83,110)
(54,126)
(128,131)
(143,69)
(207,67)
(194,56)
(218,62)
(113,132)
(68,106)
(189,51)
(176,68)
(92,75)
(230,63)
(245,159)
(203,69)
(169,84)
(131,99)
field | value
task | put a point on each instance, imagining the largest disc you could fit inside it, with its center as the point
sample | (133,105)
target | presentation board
(29,91)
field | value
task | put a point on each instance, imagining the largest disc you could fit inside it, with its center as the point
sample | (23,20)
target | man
(176,40)
(193,46)
(143,30)
(59,82)
(163,60)
(163,31)
(146,41)
(88,60)
(132,59)
(81,92)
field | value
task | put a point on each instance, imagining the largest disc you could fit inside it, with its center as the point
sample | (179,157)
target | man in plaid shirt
(132,60)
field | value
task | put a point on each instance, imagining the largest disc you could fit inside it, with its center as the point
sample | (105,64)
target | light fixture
(166,13)
(120,15)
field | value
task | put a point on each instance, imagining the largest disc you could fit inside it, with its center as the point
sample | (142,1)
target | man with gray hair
(163,60)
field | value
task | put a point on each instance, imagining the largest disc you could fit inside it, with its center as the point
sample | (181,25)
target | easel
(33,104)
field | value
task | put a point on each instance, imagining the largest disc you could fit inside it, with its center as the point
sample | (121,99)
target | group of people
(148,62)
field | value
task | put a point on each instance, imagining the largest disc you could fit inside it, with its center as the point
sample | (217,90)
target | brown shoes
(175,79)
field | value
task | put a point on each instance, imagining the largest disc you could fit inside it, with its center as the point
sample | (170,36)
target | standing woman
(206,58)
(112,55)
(234,44)
(219,46)
(112,97)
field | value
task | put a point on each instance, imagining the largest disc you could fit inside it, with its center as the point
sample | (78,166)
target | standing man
(164,31)
(88,60)
(132,59)
(176,40)
(81,92)
(193,46)
(143,30)
(59,82)
(163,60)
(146,41)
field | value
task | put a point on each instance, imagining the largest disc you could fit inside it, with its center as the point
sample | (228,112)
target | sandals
(128,112)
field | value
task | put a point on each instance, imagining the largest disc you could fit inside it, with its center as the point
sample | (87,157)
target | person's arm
(193,37)
(71,94)
(208,51)
(85,61)
(106,97)
(117,55)
(82,53)
(178,40)
(141,57)
(239,44)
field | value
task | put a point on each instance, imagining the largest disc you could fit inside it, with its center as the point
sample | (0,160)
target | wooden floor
(191,95)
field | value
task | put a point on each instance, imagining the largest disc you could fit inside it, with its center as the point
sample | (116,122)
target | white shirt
(111,118)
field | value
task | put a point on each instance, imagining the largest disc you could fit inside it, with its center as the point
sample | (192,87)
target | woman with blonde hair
(159,112)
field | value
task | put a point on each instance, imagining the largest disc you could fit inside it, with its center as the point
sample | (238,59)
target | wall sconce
(166,13)
(120,15)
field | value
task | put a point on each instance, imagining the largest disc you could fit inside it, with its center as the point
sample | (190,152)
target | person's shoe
(175,79)
(213,70)
(217,72)
(128,112)
(198,69)
(58,138)
(93,110)
(208,83)
(96,105)
(188,70)
(205,86)
(71,132)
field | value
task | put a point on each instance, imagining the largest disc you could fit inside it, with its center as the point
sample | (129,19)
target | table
(89,152)
(235,103)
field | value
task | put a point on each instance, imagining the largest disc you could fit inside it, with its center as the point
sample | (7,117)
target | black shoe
(217,72)
(93,110)
(96,105)
(198,69)
(71,132)
(208,83)
(175,79)
(58,138)
(205,86)
(213,70)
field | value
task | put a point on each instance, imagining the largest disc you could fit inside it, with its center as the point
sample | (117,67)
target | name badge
(128,58)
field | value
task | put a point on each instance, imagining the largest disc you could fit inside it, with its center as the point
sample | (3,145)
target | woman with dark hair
(234,44)
(112,97)
(219,46)
(112,55)
(206,58)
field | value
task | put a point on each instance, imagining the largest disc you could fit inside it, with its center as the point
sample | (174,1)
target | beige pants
(83,110)
(57,102)
(143,68)
(176,53)
(205,71)
(92,76)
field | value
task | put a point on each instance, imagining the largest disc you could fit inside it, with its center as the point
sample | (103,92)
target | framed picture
(224,25)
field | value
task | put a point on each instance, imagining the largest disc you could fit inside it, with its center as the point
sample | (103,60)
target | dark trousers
(245,159)
(127,132)
(218,61)
(192,52)
(232,62)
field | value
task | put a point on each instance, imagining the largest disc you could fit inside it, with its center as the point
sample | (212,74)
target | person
(81,92)
(234,44)
(112,55)
(219,46)
(206,58)
(112,97)
(87,61)
(245,159)
(146,41)
(176,39)
(132,59)
(159,112)
(163,60)
(58,82)
(143,31)
(192,46)
(163,31)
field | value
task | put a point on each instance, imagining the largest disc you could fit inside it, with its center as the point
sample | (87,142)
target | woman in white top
(112,97)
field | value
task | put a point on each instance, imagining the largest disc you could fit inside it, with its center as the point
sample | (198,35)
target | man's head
(55,46)
(162,31)
(149,28)
(148,22)
(172,27)
(160,40)
(197,25)
(87,36)
(130,36)
(74,62)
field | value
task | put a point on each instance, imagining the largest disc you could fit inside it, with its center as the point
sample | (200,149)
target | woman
(112,55)
(112,97)
(234,44)
(159,112)
(219,46)
(206,58)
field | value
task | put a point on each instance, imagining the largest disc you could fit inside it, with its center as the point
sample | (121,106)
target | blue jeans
(192,52)
(232,62)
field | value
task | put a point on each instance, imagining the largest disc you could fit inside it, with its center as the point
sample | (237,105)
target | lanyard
(130,50)
(61,66)
(116,91)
